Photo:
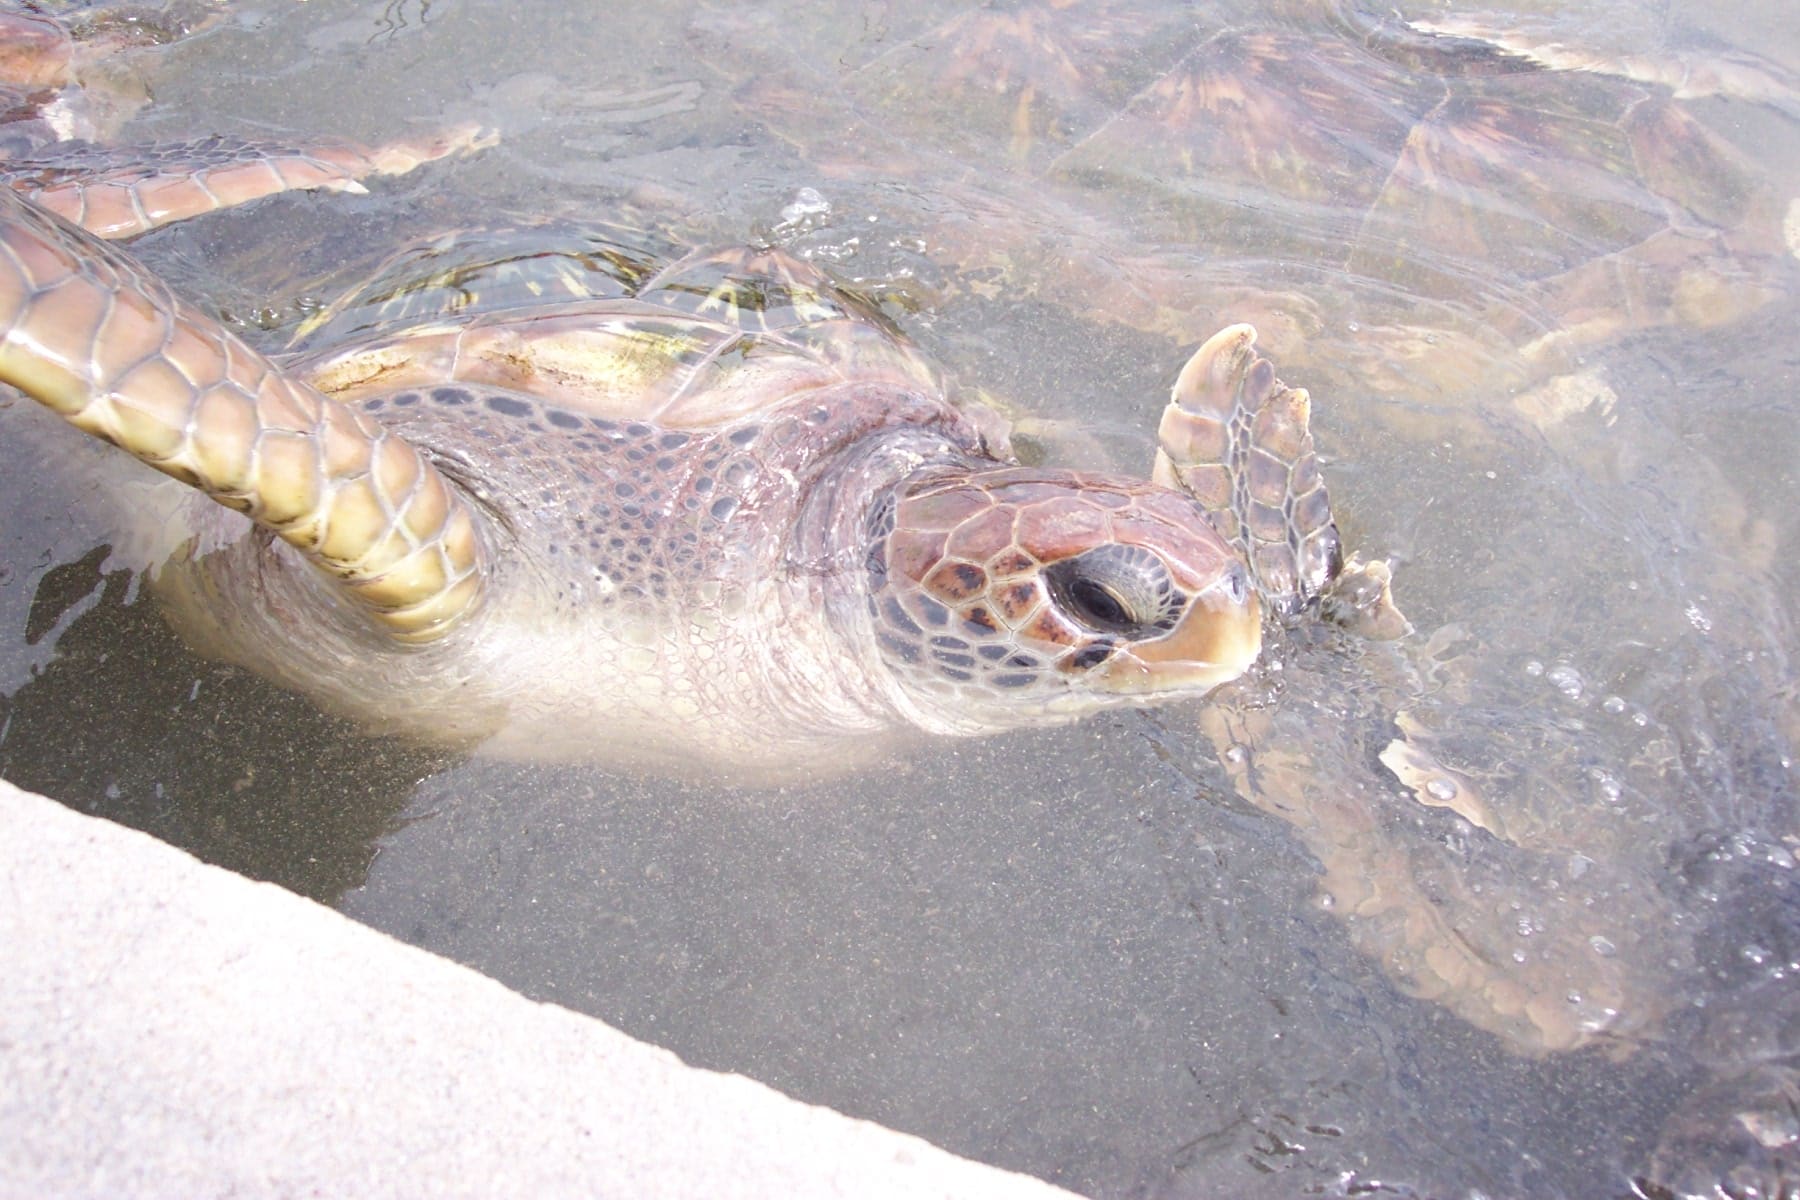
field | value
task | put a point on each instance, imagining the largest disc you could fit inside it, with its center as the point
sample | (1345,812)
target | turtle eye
(1114,589)
(1095,603)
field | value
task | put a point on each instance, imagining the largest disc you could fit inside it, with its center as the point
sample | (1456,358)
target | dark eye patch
(1117,589)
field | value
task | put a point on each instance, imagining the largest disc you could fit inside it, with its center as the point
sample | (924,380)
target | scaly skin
(118,199)
(89,333)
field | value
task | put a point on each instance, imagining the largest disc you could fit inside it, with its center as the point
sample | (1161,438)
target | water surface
(1081,953)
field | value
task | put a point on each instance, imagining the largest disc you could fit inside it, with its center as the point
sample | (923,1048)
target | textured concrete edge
(168,1028)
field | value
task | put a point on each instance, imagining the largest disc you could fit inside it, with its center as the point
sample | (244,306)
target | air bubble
(1613,704)
(1698,619)
(1602,947)
(807,202)
(835,253)
(1567,680)
(1442,790)
(1606,785)
(1755,954)
(1534,668)
(1236,754)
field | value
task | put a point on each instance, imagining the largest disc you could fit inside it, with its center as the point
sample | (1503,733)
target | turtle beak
(1216,642)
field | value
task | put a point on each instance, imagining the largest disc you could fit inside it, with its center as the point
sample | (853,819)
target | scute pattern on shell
(696,343)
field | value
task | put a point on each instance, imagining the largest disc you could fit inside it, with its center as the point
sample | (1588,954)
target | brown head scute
(1054,591)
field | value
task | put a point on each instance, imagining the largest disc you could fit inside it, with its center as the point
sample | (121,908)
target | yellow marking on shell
(364,367)
(722,299)
(630,359)
(810,305)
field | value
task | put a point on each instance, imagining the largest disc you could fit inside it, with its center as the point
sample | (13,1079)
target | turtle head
(1020,596)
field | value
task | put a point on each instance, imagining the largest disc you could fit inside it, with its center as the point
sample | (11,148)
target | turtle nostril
(1237,584)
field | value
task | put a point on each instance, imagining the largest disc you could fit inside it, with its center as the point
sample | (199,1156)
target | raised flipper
(92,335)
(1444,926)
(114,197)
(1237,439)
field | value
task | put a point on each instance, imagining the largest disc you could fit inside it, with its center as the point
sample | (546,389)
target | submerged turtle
(812,545)
(1447,218)
(1430,207)
(1418,212)
(730,521)
(61,99)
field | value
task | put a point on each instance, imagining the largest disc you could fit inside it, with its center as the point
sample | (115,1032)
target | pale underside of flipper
(90,334)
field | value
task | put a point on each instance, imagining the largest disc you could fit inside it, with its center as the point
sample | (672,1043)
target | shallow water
(1082,953)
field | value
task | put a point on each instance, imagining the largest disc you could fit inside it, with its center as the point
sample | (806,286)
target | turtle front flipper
(157,185)
(1237,439)
(89,333)
(1444,930)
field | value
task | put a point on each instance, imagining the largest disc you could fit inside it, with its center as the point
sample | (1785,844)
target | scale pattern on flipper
(114,197)
(1240,441)
(91,334)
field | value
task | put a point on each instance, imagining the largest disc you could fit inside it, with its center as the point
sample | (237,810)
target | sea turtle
(1448,224)
(730,521)
(726,517)
(62,96)
(1442,897)
(1434,206)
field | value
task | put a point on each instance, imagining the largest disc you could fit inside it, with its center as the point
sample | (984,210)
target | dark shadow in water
(125,723)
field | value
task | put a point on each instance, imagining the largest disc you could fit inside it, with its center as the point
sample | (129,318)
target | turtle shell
(1429,208)
(1435,226)
(605,325)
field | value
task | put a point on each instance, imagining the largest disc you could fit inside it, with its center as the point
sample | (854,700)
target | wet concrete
(168,1028)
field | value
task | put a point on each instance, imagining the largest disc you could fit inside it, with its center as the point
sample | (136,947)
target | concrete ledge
(171,1029)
